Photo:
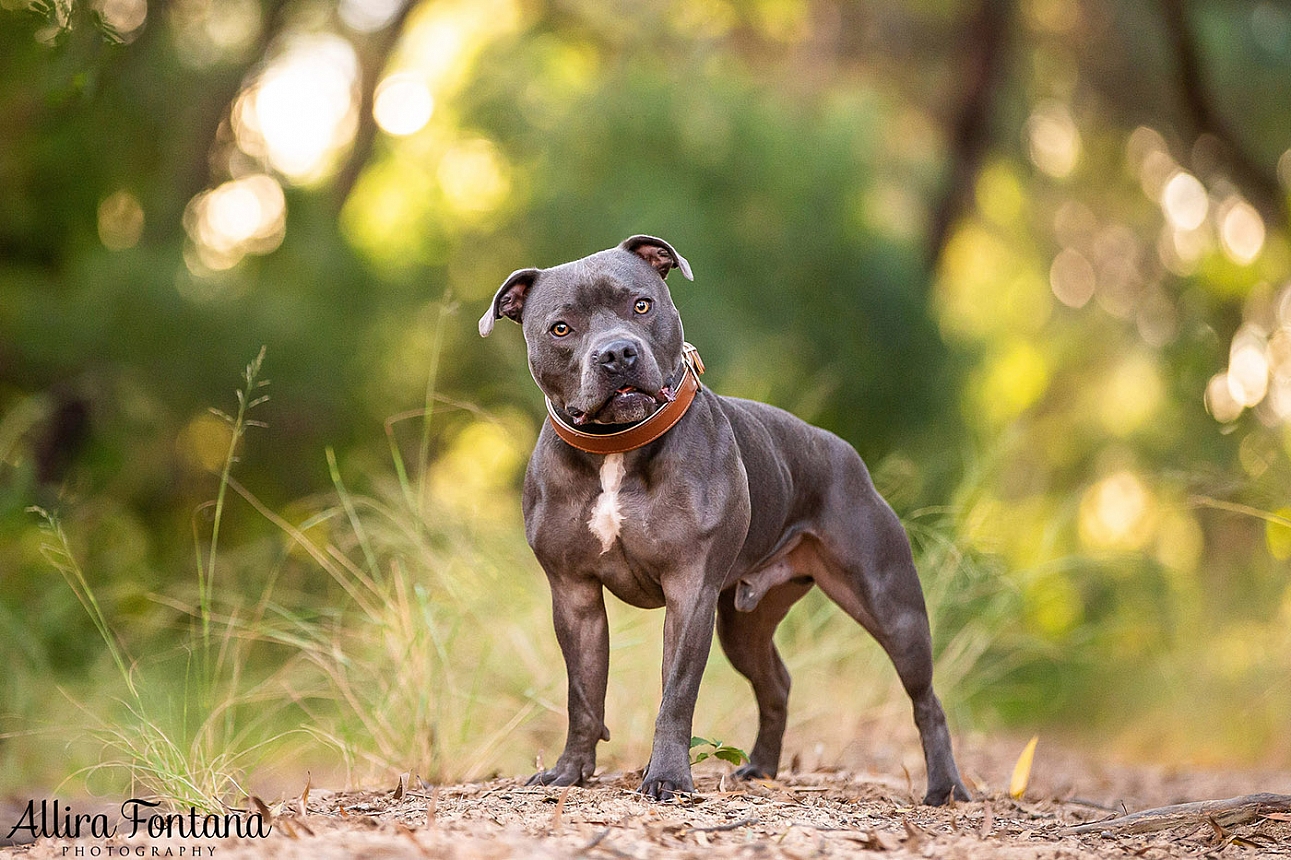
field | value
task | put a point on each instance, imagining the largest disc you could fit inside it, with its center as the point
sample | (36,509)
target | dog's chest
(628,530)
(606,520)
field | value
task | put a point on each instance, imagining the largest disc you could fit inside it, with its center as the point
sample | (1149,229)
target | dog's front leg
(578,610)
(688,634)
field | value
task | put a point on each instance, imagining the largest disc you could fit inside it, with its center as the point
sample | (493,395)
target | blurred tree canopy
(1031,258)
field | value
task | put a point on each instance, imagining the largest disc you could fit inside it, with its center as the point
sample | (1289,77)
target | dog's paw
(753,771)
(665,786)
(942,795)
(564,773)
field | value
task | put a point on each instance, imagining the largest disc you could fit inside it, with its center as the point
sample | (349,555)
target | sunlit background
(1031,258)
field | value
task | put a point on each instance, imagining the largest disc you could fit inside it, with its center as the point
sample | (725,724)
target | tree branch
(193,173)
(373,57)
(1259,182)
(983,51)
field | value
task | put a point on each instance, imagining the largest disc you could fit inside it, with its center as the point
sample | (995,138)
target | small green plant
(715,749)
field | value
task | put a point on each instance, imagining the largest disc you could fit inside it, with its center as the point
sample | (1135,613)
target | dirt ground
(824,812)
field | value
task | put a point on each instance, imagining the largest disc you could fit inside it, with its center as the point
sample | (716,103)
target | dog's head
(602,332)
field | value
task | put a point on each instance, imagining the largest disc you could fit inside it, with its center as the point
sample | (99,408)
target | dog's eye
(642,306)
(560,329)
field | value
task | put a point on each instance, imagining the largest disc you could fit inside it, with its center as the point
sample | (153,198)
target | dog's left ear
(657,253)
(509,300)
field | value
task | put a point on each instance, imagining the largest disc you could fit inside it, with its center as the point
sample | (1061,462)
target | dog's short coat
(735,512)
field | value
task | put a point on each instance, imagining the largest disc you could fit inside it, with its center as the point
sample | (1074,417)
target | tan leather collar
(643,432)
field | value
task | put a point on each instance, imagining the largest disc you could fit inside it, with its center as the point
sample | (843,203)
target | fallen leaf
(263,809)
(1022,770)
(988,820)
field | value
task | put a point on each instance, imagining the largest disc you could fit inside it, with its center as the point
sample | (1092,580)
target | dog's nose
(617,357)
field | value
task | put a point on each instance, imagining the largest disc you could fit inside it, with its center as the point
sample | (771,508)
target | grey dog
(734,511)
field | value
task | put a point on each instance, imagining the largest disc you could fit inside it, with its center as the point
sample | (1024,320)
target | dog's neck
(641,433)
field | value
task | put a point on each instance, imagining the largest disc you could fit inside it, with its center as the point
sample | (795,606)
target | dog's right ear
(509,300)
(659,254)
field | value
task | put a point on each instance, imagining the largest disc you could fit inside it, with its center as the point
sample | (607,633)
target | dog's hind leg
(746,637)
(867,569)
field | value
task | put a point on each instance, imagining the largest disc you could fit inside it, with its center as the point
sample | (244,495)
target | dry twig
(1224,813)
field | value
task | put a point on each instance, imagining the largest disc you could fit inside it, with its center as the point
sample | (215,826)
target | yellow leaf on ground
(1022,770)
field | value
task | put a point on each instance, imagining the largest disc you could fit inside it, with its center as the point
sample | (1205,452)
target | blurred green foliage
(1031,258)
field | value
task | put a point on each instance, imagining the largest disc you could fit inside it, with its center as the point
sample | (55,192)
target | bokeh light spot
(233,214)
(891,209)
(1183,199)
(1143,143)
(240,217)
(1157,168)
(783,20)
(1181,251)
(1116,513)
(204,443)
(1071,278)
(482,459)
(1054,16)
(1131,395)
(1248,367)
(124,17)
(368,16)
(1241,231)
(986,287)
(1220,403)
(1279,352)
(1013,380)
(120,221)
(301,111)
(1271,26)
(207,32)
(443,38)
(474,177)
(402,105)
(1053,140)
(999,194)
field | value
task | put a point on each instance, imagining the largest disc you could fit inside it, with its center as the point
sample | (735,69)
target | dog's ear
(509,300)
(657,253)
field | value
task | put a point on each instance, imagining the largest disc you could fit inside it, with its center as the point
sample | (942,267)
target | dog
(649,485)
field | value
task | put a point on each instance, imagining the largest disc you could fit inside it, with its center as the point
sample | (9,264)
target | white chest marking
(607,514)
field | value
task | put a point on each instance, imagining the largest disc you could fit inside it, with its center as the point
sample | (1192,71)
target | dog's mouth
(625,405)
